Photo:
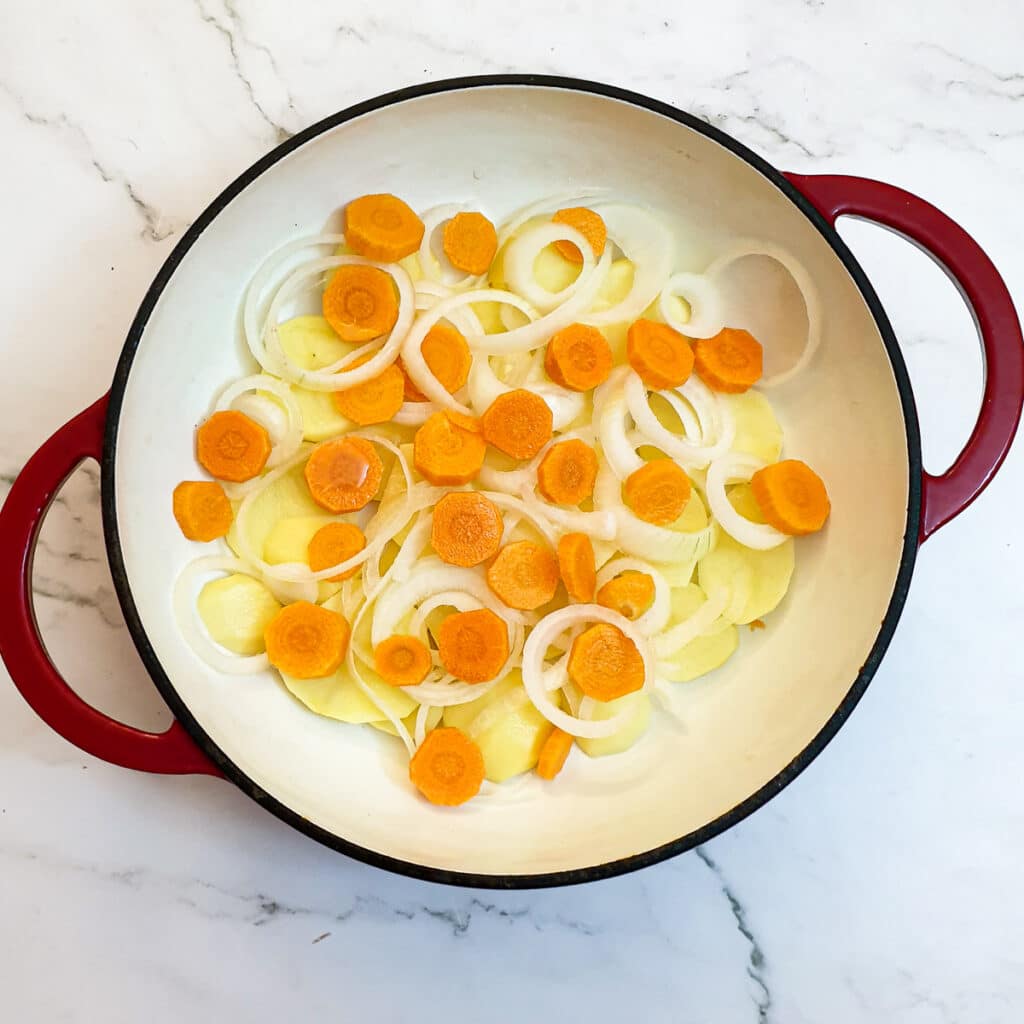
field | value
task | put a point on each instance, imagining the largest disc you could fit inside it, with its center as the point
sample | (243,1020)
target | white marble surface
(882,886)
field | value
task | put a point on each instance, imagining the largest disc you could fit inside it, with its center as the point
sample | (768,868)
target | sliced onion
(535,515)
(599,525)
(647,243)
(549,629)
(536,333)
(187,620)
(656,617)
(812,303)
(549,204)
(702,622)
(707,317)
(645,540)
(616,446)
(729,469)
(522,253)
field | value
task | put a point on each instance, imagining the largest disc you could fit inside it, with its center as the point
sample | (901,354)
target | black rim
(555,878)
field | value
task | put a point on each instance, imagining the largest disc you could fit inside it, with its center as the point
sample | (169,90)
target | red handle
(947,495)
(171,752)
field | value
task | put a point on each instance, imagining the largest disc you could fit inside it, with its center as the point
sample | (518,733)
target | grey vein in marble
(756,966)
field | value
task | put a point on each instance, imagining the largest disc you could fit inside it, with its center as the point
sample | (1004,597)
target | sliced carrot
(553,753)
(382,227)
(661,356)
(232,447)
(448,449)
(466,528)
(567,473)
(605,664)
(202,509)
(518,423)
(791,496)
(402,660)
(333,544)
(307,641)
(473,646)
(756,624)
(375,400)
(578,357)
(524,575)
(470,242)
(630,594)
(576,565)
(360,303)
(344,474)
(589,225)
(731,361)
(448,767)
(446,353)
(657,492)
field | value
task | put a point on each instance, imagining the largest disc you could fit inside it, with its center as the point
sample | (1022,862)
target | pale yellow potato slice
(703,654)
(236,610)
(757,430)
(637,706)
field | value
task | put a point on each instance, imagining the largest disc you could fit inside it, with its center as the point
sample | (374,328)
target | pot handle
(945,496)
(171,752)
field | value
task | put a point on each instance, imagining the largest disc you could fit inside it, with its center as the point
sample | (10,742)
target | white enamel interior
(499,147)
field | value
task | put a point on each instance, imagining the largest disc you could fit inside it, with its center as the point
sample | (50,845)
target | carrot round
(518,423)
(307,641)
(382,227)
(402,660)
(605,664)
(657,492)
(791,496)
(576,565)
(359,302)
(473,646)
(344,474)
(375,400)
(232,447)
(567,473)
(553,753)
(470,242)
(661,356)
(466,528)
(578,357)
(202,509)
(448,767)
(447,355)
(588,224)
(335,543)
(448,449)
(731,361)
(524,575)
(630,594)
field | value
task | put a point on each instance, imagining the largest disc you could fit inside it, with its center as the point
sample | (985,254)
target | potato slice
(433,718)
(770,572)
(311,342)
(638,708)
(320,417)
(757,430)
(236,610)
(337,696)
(287,496)
(288,539)
(703,654)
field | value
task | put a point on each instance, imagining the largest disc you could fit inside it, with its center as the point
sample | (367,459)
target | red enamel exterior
(945,496)
(172,752)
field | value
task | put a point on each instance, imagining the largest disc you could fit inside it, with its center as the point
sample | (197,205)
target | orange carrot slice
(448,449)
(470,242)
(402,660)
(589,225)
(466,528)
(232,447)
(553,753)
(360,303)
(448,767)
(567,473)
(202,509)
(473,646)
(731,361)
(518,423)
(576,565)
(791,496)
(344,474)
(333,544)
(630,594)
(524,575)
(661,356)
(447,355)
(372,401)
(307,641)
(605,663)
(657,492)
(381,227)
(578,357)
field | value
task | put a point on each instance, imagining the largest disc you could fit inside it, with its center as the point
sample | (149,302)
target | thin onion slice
(732,469)
(707,317)
(549,204)
(522,253)
(702,622)
(548,630)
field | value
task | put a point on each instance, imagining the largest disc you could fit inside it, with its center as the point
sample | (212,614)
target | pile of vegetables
(504,486)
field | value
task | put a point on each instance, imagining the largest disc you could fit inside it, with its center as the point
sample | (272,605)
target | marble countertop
(882,886)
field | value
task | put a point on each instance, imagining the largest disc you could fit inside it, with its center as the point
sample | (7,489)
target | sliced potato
(337,696)
(433,718)
(638,708)
(770,572)
(288,496)
(553,271)
(703,654)
(411,265)
(288,539)
(320,417)
(311,342)
(757,430)
(236,610)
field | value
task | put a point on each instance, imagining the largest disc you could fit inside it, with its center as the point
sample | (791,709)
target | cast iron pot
(753,726)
